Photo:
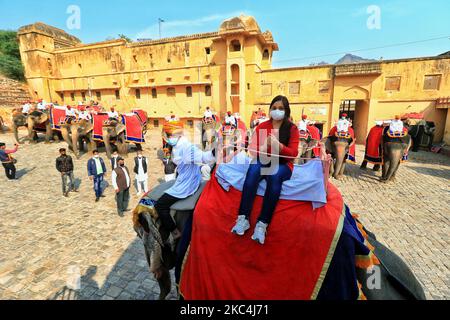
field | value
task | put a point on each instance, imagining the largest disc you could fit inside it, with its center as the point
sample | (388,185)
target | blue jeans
(272,195)
(98,179)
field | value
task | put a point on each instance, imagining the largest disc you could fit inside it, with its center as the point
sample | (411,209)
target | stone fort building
(229,69)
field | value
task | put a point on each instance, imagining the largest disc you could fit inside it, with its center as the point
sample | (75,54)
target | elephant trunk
(66,136)
(75,138)
(107,142)
(15,129)
(340,158)
(396,153)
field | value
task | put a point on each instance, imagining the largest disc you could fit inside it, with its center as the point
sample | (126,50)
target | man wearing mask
(64,165)
(96,171)
(121,184)
(114,158)
(7,161)
(140,169)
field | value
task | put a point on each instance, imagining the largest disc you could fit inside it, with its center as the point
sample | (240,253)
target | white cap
(379,122)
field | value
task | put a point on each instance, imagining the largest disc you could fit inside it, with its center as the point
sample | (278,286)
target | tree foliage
(10,63)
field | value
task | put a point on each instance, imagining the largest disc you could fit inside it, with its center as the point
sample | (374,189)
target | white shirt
(26,108)
(302,125)
(230,120)
(84,115)
(114,178)
(208,114)
(42,105)
(396,126)
(188,159)
(342,125)
(141,175)
(71,113)
(113,114)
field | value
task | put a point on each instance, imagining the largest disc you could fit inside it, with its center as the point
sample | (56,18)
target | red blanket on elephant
(373,145)
(57,114)
(315,134)
(142,116)
(291,264)
(134,128)
(98,124)
(352,149)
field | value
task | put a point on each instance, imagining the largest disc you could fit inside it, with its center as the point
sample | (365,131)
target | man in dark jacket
(7,161)
(121,182)
(64,165)
(96,170)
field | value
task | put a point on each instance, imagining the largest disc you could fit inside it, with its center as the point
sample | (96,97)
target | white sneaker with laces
(241,226)
(260,232)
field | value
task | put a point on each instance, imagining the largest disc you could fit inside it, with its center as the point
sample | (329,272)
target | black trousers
(10,170)
(162,206)
(122,199)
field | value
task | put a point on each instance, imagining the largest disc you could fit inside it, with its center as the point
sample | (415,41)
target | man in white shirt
(121,183)
(303,124)
(71,114)
(230,119)
(141,171)
(113,114)
(396,125)
(26,108)
(343,124)
(208,113)
(83,114)
(42,105)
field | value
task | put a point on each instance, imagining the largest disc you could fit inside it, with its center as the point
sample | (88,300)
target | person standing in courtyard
(121,183)
(96,171)
(8,161)
(140,169)
(114,158)
(64,165)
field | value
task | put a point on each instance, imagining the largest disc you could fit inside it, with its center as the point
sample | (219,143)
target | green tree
(10,63)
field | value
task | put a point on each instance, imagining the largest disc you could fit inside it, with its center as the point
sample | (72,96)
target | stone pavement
(50,245)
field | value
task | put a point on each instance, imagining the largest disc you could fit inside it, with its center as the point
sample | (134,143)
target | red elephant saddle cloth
(304,134)
(98,120)
(373,145)
(292,263)
(134,129)
(57,116)
(350,134)
(315,134)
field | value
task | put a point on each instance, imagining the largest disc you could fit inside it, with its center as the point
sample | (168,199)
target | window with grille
(392,84)
(72,96)
(98,94)
(138,93)
(208,91)
(324,86)
(294,87)
(188,91)
(154,93)
(117,92)
(432,82)
(171,92)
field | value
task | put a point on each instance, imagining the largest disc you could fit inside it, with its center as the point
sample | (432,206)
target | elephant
(209,132)
(39,118)
(397,282)
(19,120)
(114,132)
(394,148)
(305,148)
(161,254)
(76,133)
(338,147)
(2,125)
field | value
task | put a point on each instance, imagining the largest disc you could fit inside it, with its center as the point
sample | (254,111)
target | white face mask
(96,156)
(277,115)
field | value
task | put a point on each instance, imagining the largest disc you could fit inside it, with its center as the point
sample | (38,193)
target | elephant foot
(363,168)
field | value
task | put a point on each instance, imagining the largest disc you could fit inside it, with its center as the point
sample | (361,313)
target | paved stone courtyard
(47,241)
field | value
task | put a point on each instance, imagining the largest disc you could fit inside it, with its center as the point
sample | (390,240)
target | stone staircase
(12,95)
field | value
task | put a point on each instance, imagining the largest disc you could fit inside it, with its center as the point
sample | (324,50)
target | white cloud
(184,27)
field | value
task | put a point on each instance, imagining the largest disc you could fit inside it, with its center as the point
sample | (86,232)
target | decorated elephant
(209,131)
(40,121)
(339,146)
(305,147)
(19,120)
(359,267)
(76,133)
(113,132)
(395,147)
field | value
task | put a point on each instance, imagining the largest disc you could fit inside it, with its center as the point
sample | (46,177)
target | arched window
(235,46)
(266,54)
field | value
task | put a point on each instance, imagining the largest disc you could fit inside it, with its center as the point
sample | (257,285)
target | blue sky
(303,29)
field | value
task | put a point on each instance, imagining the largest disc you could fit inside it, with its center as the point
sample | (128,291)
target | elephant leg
(385,169)
(341,172)
(165,283)
(363,165)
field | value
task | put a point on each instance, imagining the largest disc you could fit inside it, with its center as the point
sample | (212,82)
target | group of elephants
(76,133)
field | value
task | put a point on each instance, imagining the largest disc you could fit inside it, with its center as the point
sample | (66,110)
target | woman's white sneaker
(260,232)
(241,226)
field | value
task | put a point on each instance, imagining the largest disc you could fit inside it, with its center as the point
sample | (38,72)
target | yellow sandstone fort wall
(228,70)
